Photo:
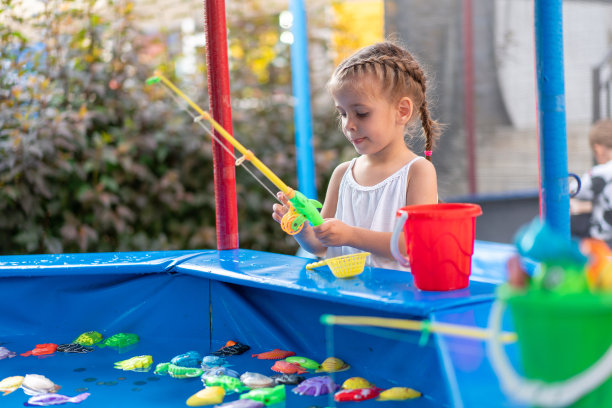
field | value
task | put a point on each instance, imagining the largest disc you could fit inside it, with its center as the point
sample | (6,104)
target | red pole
(220,107)
(468,84)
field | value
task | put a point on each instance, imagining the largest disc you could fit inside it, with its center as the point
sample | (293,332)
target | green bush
(92,159)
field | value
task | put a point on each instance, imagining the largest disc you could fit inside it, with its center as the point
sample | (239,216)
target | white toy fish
(34,384)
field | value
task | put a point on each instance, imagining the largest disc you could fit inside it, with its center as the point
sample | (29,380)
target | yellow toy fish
(355,383)
(138,363)
(207,396)
(398,394)
(332,365)
(10,384)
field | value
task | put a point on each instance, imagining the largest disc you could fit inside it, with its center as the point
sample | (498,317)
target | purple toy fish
(242,403)
(316,386)
(44,400)
(6,353)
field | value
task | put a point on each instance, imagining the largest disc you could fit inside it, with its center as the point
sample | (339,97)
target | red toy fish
(275,354)
(288,368)
(358,394)
(41,349)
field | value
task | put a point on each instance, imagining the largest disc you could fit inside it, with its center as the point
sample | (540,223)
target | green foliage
(92,159)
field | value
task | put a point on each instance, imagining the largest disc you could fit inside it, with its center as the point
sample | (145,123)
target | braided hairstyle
(399,75)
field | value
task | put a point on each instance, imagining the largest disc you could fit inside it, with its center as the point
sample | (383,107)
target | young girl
(378,92)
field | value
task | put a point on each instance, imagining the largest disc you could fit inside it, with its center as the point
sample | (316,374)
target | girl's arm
(306,238)
(421,188)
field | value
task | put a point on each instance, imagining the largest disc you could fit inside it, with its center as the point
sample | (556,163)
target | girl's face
(369,121)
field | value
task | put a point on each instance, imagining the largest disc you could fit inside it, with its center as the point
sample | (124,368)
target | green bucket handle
(540,393)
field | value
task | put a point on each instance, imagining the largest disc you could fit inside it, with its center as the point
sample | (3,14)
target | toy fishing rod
(302,208)
(424,326)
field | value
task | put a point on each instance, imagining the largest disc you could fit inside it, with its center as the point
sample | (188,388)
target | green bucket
(561,336)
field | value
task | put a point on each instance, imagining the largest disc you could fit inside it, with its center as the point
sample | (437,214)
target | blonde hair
(601,133)
(399,75)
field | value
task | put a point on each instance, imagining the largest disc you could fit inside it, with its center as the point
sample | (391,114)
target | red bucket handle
(397,230)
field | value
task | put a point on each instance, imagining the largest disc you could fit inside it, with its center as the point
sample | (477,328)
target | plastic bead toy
(212,361)
(288,379)
(175,371)
(231,348)
(218,371)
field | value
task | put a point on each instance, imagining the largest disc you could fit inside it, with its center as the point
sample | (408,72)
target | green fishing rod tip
(327,319)
(153,80)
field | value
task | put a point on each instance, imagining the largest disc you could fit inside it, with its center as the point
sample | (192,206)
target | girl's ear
(404,110)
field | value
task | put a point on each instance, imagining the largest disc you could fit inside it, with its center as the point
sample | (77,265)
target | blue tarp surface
(179,301)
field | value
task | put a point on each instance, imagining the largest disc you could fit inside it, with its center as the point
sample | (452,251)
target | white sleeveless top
(371,207)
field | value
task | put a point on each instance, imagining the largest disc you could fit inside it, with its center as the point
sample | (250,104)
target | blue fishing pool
(179,301)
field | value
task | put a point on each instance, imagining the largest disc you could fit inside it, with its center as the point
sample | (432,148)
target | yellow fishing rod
(306,209)
(416,325)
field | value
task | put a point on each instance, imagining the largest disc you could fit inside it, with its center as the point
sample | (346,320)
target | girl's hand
(333,233)
(280,210)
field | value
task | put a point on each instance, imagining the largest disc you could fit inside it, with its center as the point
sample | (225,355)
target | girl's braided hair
(399,75)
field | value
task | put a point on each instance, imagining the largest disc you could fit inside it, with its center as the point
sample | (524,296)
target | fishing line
(237,161)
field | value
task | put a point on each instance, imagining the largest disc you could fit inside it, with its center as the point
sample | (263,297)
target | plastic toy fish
(88,338)
(267,395)
(357,394)
(41,349)
(207,396)
(74,348)
(356,382)
(231,348)
(219,371)
(333,365)
(6,353)
(229,384)
(275,354)
(304,362)
(120,340)
(56,399)
(10,384)
(212,361)
(284,367)
(175,371)
(288,379)
(34,384)
(398,394)
(242,403)
(189,359)
(599,267)
(138,363)
(256,380)
(316,386)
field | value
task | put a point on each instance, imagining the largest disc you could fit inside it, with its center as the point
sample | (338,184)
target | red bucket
(439,243)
